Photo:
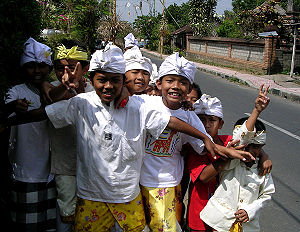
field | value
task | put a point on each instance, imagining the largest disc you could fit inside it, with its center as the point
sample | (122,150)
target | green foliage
(245,5)
(146,24)
(20,19)
(229,28)
(177,15)
(202,15)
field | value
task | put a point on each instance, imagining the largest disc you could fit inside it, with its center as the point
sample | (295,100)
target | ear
(221,123)
(158,84)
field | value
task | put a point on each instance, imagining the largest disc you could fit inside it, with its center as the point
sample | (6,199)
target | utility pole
(162,31)
(114,27)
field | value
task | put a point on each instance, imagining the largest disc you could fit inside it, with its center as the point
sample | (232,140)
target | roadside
(280,84)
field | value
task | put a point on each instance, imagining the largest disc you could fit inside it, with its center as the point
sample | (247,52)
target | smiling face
(108,86)
(174,89)
(137,80)
(36,73)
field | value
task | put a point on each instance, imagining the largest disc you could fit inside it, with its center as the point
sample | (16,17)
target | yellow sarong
(162,207)
(101,216)
(236,227)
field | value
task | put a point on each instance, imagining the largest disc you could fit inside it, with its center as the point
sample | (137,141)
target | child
(33,191)
(163,165)
(63,140)
(195,94)
(236,204)
(138,71)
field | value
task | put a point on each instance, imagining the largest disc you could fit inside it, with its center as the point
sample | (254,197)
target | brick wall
(256,55)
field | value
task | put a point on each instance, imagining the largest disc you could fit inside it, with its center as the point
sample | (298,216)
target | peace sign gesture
(262,100)
(71,79)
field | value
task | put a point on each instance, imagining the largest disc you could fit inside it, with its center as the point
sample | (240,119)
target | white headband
(135,60)
(110,59)
(174,64)
(209,105)
(249,137)
(130,41)
(36,52)
(154,75)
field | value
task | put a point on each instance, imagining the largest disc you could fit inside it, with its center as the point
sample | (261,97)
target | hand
(241,216)
(72,79)
(262,100)
(122,100)
(235,154)
(45,92)
(264,164)
(232,144)
(210,146)
(21,105)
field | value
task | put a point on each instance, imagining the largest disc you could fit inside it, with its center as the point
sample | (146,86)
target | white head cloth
(209,105)
(154,75)
(110,59)
(36,52)
(135,60)
(130,41)
(174,64)
(248,137)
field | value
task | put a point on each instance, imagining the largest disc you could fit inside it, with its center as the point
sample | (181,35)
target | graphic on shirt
(165,145)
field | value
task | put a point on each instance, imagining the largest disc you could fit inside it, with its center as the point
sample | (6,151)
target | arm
(265,164)
(212,170)
(27,117)
(261,103)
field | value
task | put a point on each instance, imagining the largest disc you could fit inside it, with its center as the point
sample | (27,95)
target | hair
(197,89)
(93,73)
(69,43)
(259,126)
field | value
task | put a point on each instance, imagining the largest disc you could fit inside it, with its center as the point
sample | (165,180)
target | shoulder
(225,139)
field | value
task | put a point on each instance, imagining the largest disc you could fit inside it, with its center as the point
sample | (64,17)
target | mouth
(107,94)
(140,84)
(174,95)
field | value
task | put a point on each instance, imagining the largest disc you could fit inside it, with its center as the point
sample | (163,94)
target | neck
(171,106)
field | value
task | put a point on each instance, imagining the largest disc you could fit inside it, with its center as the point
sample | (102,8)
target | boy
(138,71)
(195,94)
(242,192)
(163,165)
(33,191)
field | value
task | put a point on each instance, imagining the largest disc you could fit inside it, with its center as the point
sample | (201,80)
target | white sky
(132,6)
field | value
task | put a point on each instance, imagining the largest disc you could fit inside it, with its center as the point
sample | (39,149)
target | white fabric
(240,188)
(110,59)
(63,145)
(209,105)
(174,64)
(130,41)
(163,164)
(29,143)
(110,143)
(249,137)
(154,75)
(36,52)
(135,60)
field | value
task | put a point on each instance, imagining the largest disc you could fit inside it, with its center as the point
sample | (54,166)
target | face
(254,149)
(60,65)
(108,86)
(174,89)
(211,123)
(137,80)
(192,96)
(36,72)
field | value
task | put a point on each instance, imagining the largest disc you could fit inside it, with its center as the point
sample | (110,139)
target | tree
(177,15)
(245,5)
(202,16)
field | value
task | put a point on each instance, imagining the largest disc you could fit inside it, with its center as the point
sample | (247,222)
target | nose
(175,85)
(37,68)
(107,85)
(140,76)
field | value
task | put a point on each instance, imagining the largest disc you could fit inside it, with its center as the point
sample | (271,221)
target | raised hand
(262,100)
(72,79)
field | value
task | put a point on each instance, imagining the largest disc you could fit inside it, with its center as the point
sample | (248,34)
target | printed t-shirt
(29,143)
(199,192)
(110,143)
(163,164)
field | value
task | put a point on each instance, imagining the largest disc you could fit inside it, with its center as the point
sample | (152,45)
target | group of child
(113,154)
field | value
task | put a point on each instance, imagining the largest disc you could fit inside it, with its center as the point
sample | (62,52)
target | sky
(132,6)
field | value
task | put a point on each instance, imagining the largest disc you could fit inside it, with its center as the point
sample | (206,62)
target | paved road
(282,119)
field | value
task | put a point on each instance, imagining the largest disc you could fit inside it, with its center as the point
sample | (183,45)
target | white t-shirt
(110,143)
(63,145)
(29,143)
(163,164)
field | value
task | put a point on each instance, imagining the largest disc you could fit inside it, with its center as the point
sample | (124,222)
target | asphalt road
(282,120)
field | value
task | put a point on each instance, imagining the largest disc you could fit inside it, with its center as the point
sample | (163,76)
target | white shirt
(110,143)
(163,164)
(63,145)
(29,143)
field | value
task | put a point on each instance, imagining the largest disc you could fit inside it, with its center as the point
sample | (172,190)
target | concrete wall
(257,55)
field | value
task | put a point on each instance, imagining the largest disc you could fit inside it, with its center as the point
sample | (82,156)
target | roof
(184,29)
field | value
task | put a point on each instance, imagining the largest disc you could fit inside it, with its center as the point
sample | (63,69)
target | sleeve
(231,165)
(267,189)
(62,113)
(156,119)
(197,144)
(11,95)
(196,164)
(243,134)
